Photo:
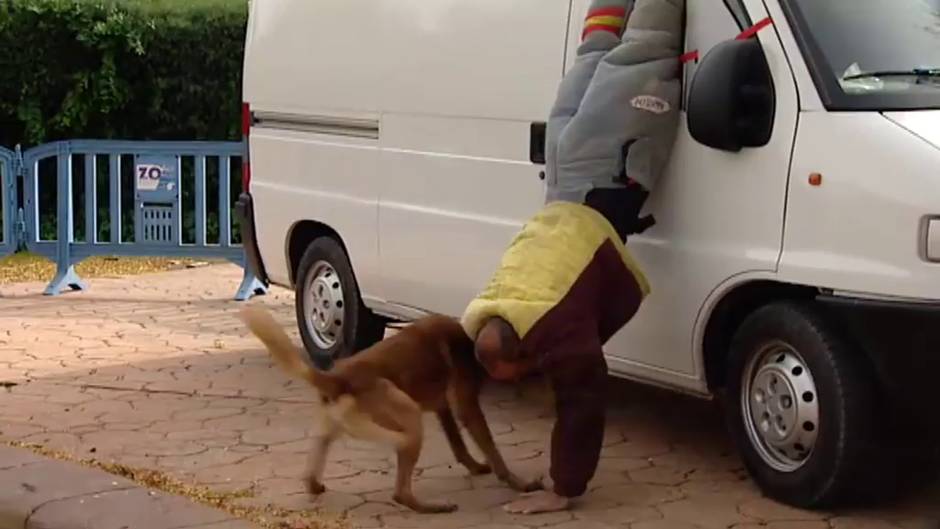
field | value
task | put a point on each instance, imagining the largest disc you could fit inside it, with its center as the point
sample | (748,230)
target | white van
(395,149)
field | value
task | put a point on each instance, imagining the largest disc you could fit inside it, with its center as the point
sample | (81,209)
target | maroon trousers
(569,343)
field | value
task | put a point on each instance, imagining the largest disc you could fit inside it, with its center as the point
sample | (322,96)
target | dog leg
(471,416)
(318,454)
(455,440)
(407,460)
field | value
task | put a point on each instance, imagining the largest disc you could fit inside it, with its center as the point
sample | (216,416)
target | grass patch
(26,267)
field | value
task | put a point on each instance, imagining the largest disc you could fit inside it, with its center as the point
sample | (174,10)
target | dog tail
(285,353)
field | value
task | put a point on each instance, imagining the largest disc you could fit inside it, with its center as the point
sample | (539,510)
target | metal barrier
(9,239)
(156,185)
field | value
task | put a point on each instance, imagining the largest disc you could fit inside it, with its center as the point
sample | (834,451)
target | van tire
(347,325)
(792,351)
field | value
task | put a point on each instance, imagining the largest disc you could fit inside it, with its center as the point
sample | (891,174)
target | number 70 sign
(148,177)
(156,173)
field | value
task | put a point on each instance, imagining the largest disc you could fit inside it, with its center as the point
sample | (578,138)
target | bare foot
(538,502)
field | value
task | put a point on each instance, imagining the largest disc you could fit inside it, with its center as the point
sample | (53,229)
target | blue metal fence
(153,174)
(8,196)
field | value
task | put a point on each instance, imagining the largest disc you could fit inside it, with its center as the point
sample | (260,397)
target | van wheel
(800,406)
(332,319)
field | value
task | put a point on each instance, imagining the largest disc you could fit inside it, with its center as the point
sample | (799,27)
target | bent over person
(567,283)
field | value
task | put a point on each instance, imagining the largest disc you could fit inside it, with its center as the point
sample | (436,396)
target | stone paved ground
(155,371)
(43,493)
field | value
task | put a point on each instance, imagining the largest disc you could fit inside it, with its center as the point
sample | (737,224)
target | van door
(718,214)
(465,81)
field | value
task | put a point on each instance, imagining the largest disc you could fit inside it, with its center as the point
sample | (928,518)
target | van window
(871,54)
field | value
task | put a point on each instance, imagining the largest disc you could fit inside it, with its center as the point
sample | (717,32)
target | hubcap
(780,406)
(324,305)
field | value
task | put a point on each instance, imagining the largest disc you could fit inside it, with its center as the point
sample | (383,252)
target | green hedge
(121,69)
(132,69)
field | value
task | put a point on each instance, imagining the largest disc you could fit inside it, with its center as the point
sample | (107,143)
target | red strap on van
(744,35)
(753,30)
(689,57)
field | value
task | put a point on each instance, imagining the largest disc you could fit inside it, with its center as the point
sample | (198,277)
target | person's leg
(576,367)
(603,27)
(633,100)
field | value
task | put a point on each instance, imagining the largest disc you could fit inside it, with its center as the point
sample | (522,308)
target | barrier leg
(65,276)
(251,286)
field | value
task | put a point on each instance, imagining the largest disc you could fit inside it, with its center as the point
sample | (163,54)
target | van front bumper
(902,340)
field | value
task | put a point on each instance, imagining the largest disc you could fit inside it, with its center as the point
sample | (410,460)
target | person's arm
(579,381)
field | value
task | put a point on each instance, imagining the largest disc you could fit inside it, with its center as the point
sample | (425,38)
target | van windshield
(872,54)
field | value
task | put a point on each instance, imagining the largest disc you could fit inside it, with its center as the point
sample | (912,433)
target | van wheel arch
(300,236)
(317,253)
(730,313)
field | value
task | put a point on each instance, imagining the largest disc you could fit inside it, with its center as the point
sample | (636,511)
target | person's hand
(537,502)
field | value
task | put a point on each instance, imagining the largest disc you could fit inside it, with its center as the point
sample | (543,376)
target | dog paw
(315,488)
(534,485)
(479,469)
(439,508)
(520,485)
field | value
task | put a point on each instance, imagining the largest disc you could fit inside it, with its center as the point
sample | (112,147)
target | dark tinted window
(859,37)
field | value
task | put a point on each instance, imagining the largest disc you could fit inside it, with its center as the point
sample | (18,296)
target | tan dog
(380,394)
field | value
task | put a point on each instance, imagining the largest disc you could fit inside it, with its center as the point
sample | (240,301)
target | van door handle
(537,143)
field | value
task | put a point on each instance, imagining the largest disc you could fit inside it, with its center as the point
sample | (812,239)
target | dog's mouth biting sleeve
(545,271)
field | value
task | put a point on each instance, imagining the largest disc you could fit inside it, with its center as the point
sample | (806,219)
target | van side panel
(321,57)
(481,58)
(451,88)
(469,78)
(312,78)
(299,176)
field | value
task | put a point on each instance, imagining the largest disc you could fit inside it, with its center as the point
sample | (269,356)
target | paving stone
(12,458)
(707,511)
(769,510)
(24,488)
(274,435)
(455,520)
(178,384)
(620,515)
(634,494)
(500,516)
(858,522)
(228,524)
(137,508)
(659,476)
(665,524)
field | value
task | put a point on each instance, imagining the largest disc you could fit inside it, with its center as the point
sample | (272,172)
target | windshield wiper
(920,73)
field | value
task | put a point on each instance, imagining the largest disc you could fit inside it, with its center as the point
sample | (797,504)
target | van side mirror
(731,98)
